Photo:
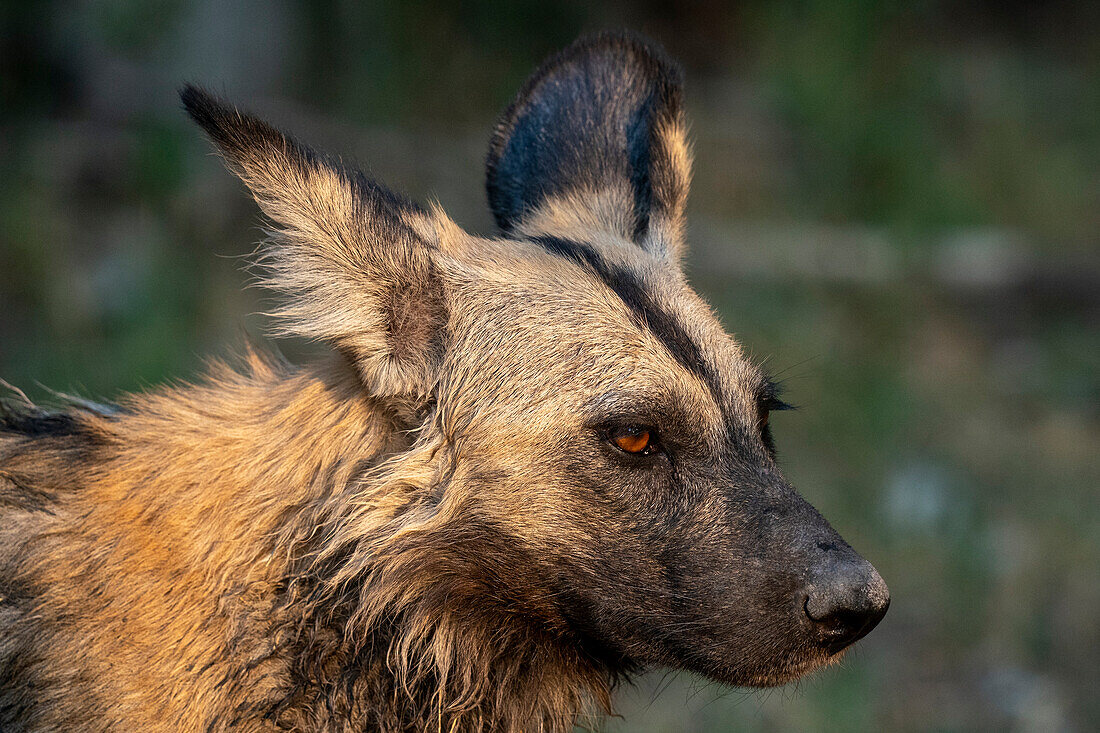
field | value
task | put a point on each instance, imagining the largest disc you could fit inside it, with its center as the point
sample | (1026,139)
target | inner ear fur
(353,260)
(596,139)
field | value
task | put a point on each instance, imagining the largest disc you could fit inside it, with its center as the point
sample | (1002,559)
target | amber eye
(633,439)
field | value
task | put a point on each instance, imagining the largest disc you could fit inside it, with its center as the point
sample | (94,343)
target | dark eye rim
(769,400)
(611,433)
(769,404)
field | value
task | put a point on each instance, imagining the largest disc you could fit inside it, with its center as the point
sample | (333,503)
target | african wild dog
(531,466)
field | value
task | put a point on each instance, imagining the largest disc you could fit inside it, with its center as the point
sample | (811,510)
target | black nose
(846,601)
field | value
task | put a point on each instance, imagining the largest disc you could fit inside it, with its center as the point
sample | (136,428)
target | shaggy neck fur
(405,609)
(298,558)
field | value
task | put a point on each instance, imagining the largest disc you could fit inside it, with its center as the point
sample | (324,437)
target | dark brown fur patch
(415,311)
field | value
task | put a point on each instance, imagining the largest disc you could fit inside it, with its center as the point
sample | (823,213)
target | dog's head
(598,417)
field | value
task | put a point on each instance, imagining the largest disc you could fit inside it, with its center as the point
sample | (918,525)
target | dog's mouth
(773,672)
(788,672)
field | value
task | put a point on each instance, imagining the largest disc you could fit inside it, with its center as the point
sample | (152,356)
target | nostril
(846,609)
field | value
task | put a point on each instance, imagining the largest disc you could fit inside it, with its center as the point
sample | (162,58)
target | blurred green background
(896,203)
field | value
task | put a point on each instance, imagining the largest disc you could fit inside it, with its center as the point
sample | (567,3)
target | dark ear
(596,138)
(354,260)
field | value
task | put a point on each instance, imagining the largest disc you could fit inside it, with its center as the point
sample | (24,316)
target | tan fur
(583,213)
(667,226)
(430,528)
(184,544)
(160,575)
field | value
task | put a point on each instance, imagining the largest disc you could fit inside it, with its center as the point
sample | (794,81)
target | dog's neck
(399,609)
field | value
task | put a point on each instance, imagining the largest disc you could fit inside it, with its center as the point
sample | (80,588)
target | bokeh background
(896,203)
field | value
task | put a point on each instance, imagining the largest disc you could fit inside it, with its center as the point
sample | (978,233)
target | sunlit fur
(424,530)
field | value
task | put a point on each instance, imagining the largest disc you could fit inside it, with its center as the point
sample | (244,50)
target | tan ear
(596,139)
(353,259)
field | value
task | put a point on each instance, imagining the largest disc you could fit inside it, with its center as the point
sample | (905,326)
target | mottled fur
(430,529)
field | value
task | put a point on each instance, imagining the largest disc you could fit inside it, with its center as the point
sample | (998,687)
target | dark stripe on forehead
(644,309)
